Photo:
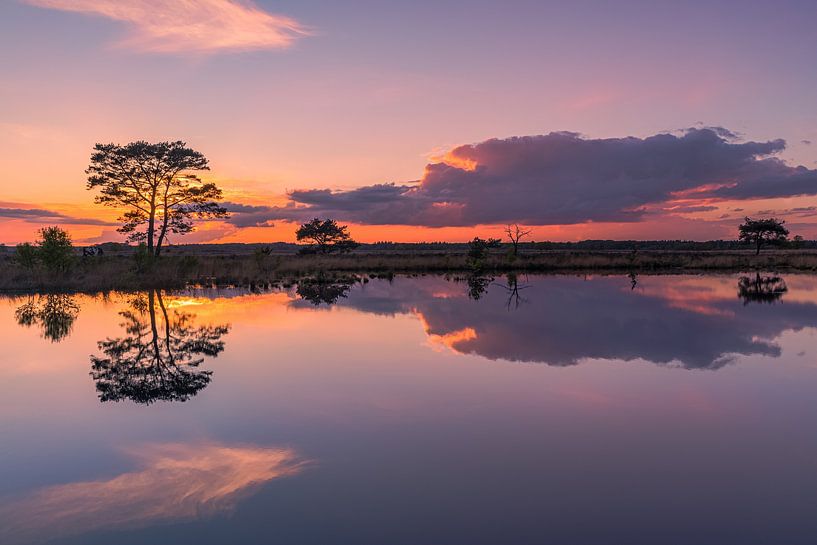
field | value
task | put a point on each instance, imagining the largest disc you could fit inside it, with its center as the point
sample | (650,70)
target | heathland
(120,268)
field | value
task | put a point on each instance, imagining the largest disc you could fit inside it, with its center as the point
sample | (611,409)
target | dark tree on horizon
(159,358)
(326,236)
(515,234)
(155,186)
(763,231)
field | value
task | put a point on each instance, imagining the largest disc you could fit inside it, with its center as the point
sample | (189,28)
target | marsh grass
(177,271)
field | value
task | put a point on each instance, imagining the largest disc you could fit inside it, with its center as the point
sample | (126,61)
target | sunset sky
(421,120)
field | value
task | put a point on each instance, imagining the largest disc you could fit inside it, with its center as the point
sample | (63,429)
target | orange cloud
(201,26)
(177,481)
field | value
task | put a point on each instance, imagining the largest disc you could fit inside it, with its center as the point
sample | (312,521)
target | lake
(417,410)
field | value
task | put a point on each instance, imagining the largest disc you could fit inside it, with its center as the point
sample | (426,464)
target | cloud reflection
(691,322)
(176,482)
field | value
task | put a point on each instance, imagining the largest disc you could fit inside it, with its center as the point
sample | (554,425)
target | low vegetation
(121,271)
(52,263)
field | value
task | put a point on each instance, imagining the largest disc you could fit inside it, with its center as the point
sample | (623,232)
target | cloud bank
(198,26)
(39,215)
(560,178)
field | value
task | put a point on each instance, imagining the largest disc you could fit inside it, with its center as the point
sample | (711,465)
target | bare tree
(516,233)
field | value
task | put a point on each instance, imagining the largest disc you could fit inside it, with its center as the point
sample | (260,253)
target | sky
(421,120)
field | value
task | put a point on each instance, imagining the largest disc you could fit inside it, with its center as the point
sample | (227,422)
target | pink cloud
(185,26)
(174,482)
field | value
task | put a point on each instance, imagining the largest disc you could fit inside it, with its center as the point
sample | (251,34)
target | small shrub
(478,250)
(26,255)
(55,250)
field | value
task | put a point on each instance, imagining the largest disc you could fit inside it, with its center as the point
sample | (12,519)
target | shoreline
(118,272)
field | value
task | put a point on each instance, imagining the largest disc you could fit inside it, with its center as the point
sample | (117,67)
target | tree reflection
(512,288)
(478,285)
(53,313)
(159,358)
(761,289)
(320,291)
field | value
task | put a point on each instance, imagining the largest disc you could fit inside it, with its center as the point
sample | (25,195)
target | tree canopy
(326,236)
(156,187)
(763,231)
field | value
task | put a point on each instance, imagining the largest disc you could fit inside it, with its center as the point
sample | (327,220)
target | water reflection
(682,321)
(54,314)
(478,285)
(513,289)
(694,322)
(159,357)
(174,482)
(320,291)
(761,289)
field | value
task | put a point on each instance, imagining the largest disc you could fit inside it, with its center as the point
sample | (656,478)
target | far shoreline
(185,267)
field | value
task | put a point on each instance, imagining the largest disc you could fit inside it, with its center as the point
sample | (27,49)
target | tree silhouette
(515,234)
(763,231)
(761,289)
(153,183)
(320,291)
(159,358)
(326,236)
(54,313)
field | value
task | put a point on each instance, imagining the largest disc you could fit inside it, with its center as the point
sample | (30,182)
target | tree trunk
(163,232)
(151,220)
(151,225)
(162,235)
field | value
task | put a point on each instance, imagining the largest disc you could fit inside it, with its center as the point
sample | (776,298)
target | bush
(478,250)
(55,250)
(26,255)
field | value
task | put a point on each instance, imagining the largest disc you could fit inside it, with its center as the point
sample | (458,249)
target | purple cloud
(559,178)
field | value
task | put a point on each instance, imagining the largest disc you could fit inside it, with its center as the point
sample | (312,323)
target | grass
(175,271)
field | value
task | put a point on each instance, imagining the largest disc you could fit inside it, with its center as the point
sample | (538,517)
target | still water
(527,410)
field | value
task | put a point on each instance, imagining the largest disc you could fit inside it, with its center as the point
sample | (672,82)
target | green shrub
(55,250)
